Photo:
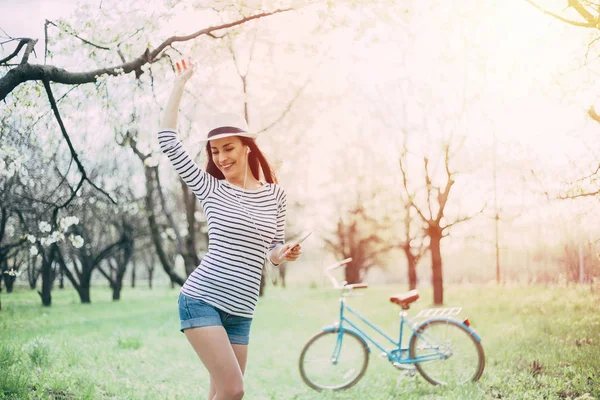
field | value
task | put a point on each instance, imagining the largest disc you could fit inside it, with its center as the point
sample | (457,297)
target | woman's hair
(256,160)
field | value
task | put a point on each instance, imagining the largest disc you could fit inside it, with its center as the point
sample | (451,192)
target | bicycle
(444,350)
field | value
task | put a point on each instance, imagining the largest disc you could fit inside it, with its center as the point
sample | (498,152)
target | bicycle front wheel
(333,361)
(450,354)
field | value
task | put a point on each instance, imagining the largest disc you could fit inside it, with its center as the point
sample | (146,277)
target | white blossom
(57,236)
(31,238)
(151,161)
(199,216)
(76,241)
(10,230)
(66,222)
(33,251)
(44,226)
(170,233)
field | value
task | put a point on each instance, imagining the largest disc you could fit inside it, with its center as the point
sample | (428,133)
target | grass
(540,343)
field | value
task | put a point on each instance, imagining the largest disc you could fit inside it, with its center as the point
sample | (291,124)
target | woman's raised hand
(185,70)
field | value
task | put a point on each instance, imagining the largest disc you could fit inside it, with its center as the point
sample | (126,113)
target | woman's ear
(247,149)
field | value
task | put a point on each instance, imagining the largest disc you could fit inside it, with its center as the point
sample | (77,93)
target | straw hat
(228,124)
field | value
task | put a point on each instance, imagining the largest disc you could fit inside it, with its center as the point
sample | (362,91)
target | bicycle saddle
(403,300)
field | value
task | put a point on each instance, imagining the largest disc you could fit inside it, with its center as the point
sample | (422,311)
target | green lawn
(539,342)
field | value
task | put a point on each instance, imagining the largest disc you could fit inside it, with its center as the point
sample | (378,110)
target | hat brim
(224,135)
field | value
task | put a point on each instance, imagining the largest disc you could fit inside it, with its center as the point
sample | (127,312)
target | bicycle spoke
(451,354)
(323,371)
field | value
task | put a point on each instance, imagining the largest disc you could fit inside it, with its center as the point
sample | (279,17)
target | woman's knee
(234,391)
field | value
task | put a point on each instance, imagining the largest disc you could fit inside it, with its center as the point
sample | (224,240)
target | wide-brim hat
(228,124)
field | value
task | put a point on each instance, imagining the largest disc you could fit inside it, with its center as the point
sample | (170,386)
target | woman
(246,224)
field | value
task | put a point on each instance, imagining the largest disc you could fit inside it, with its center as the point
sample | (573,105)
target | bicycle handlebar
(357,286)
(335,282)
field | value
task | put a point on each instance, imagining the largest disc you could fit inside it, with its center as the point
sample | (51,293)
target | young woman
(246,225)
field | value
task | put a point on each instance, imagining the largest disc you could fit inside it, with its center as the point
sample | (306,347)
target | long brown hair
(256,160)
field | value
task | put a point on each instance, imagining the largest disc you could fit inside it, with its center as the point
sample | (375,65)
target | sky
(521,69)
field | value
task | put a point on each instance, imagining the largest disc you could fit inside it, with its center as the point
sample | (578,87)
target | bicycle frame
(397,354)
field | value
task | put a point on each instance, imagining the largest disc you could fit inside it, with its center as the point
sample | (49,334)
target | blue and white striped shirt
(243,226)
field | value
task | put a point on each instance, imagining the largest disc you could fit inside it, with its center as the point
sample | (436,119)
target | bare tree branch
(463,219)
(405,184)
(583,12)
(30,47)
(587,24)
(443,196)
(22,42)
(593,114)
(428,185)
(77,36)
(84,176)
(575,196)
(168,214)
(28,72)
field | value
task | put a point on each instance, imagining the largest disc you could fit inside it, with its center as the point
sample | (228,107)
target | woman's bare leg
(241,353)
(216,353)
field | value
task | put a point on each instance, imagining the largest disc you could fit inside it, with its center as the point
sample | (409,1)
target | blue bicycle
(444,350)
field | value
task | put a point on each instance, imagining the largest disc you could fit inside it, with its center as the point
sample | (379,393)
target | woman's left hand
(294,253)
(291,255)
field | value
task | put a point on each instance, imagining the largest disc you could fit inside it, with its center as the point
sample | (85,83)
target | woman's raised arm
(184,73)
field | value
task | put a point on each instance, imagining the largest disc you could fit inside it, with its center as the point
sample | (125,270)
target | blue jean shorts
(195,313)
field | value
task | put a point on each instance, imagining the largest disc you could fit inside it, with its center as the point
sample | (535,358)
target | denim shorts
(195,313)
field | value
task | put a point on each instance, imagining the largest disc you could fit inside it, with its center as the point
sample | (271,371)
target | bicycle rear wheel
(330,361)
(453,355)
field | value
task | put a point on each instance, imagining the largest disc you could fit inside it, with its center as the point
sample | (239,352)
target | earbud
(247,150)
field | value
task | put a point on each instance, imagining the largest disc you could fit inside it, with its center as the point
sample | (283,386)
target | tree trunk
(155,231)
(190,254)
(84,293)
(133,270)
(117,290)
(61,280)
(9,281)
(45,294)
(263,282)
(412,269)
(84,284)
(150,275)
(436,269)
(352,273)
(32,274)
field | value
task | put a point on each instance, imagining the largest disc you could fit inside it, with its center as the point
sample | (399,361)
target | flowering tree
(584,14)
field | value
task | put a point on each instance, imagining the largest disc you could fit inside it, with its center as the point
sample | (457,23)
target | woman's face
(229,155)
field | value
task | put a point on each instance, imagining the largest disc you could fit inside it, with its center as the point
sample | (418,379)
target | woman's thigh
(217,354)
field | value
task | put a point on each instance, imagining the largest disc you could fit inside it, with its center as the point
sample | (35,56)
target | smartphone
(295,242)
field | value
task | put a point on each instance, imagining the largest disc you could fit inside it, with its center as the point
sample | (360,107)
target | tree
(413,246)
(431,210)
(25,71)
(588,15)
(119,259)
(359,235)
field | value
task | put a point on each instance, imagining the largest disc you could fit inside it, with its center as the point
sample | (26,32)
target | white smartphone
(295,242)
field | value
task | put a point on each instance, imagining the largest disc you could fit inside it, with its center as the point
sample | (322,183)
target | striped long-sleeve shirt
(243,226)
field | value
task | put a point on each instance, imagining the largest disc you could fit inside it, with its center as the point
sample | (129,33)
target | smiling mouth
(227,167)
